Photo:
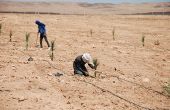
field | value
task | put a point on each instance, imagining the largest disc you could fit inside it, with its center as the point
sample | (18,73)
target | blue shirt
(41,28)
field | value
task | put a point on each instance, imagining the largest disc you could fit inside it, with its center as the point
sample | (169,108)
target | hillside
(83,8)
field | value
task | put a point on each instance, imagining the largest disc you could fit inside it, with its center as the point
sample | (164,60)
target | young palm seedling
(167,88)
(10,36)
(143,40)
(113,33)
(52,50)
(96,64)
(157,42)
(91,32)
(0,29)
(27,35)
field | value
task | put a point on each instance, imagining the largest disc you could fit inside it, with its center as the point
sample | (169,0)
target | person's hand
(86,74)
(94,67)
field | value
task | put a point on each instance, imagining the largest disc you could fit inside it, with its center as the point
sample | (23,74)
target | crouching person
(79,64)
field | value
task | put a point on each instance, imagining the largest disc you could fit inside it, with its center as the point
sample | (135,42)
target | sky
(95,1)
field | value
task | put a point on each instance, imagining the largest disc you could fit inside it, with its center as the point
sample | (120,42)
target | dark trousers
(81,70)
(41,39)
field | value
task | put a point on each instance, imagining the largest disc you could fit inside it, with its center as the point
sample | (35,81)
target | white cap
(87,58)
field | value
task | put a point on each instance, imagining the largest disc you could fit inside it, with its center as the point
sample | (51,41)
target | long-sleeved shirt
(41,28)
(79,64)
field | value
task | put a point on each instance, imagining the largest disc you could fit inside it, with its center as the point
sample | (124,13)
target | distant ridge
(50,13)
(84,8)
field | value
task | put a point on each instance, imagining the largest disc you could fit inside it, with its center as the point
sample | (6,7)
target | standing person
(79,64)
(42,32)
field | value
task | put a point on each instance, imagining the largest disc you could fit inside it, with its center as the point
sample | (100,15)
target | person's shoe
(49,48)
(37,46)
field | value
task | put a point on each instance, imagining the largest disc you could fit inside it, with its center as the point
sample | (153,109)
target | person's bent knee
(78,72)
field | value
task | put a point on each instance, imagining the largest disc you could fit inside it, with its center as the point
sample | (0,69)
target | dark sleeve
(92,66)
(84,72)
(41,24)
(80,65)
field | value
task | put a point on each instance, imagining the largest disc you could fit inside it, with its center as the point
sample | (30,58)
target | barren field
(130,76)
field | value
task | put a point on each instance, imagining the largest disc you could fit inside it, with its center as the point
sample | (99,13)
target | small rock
(12,76)
(146,80)
(103,90)
(58,74)
(102,76)
(68,102)
(13,44)
(163,60)
(62,81)
(21,99)
(42,88)
(115,68)
(36,99)
(49,74)
(25,62)
(13,67)
(82,103)
(157,42)
(30,59)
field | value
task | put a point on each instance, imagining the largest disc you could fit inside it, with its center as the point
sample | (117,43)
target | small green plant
(91,32)
(143,40)
(96,64)
(10,35)
(157,42)
(27,35)
(0,29)
(167,88)
(52,50)
(113,33)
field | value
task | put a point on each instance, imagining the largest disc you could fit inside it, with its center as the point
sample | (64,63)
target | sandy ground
(32,85)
